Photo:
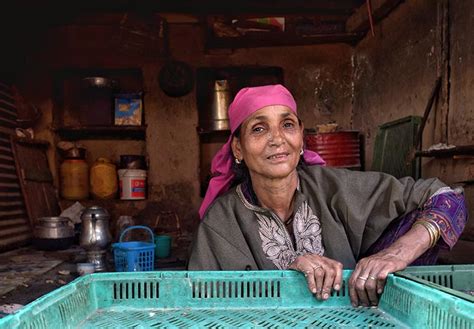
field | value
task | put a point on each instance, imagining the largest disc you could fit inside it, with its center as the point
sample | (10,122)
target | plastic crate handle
(146,228)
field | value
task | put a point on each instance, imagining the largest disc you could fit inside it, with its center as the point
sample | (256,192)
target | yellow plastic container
(103,179)
(74,174)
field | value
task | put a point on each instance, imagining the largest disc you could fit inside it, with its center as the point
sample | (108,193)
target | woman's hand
(322,274)
(367,281)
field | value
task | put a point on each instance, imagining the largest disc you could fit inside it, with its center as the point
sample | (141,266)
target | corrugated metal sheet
(15,228)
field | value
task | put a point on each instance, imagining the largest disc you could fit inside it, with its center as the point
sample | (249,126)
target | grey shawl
(353,209)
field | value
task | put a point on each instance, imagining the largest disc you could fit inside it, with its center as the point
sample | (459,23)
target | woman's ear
(236,148)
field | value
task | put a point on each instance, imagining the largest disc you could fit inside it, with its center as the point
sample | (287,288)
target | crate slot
(38,323)
(136,290)
(235,289)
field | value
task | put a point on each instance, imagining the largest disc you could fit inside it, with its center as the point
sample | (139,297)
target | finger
(371,289)
(318,275)
(352,290)
(353,295)
(360,290)
(310,280)
(381,281)
(360,282)
(380,286)
(338,278)
(329,276)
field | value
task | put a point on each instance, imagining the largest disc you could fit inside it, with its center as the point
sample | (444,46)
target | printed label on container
(138,188)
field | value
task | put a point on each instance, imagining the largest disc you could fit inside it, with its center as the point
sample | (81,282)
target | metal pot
(54,228)
(95,234)
(53,233)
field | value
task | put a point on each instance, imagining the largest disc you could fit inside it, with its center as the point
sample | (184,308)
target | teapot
(95,234)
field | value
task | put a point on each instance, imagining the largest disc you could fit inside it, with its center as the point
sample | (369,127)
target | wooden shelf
(102,132)
(445,153)
(279,40)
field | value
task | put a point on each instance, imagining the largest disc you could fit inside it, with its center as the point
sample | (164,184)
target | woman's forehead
(270,111)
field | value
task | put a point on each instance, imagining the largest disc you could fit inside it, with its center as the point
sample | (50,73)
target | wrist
(432,228)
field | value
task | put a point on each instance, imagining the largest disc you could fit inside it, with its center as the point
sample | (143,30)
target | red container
(338,149)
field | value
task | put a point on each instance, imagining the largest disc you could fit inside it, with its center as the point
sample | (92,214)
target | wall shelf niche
(80,112)
(102,132)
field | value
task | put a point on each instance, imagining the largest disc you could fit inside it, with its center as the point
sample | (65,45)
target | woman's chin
(282,171)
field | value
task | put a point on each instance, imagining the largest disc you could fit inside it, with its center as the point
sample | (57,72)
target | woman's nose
(275,137)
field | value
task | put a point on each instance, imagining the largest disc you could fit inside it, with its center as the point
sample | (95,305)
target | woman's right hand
(322,274)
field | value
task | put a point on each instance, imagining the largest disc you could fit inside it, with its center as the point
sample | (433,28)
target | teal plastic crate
(263,299)
(457,280)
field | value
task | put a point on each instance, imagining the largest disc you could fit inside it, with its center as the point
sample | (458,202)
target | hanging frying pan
(176,78)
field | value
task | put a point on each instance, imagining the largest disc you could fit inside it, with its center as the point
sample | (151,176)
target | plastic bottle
(103,179)
(74,174)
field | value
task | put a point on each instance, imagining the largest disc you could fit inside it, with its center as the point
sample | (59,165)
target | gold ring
(372,278)
(362,278)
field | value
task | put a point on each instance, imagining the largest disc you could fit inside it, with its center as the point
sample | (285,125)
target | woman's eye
(288,124)
(257,129)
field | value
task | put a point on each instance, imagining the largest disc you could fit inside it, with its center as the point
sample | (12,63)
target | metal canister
(220,105)
(213,114)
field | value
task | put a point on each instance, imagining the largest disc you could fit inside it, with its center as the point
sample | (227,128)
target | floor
(28,273)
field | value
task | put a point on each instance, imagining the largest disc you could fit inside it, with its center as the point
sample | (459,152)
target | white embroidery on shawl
(276,242)
(307,230)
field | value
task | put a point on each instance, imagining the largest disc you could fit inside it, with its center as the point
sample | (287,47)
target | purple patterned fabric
(447,209)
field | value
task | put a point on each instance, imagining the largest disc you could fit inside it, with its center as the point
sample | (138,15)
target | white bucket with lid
(132,183)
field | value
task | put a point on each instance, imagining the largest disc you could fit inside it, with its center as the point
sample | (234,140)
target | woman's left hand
(367,281)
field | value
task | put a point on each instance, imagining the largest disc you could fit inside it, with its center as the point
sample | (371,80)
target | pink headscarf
(246,102)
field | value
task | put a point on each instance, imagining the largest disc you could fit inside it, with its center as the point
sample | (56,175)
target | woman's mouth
(278,156)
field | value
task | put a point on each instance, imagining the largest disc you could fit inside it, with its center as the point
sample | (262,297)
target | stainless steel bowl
(53,228)
(99,82)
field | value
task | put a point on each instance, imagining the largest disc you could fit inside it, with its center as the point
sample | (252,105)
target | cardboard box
(128,109)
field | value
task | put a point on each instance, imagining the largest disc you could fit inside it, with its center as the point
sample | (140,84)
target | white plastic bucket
(132,183)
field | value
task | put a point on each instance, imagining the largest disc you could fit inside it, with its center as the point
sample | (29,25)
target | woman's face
(270,142)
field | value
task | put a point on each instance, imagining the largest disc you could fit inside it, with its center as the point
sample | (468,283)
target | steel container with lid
(53,233)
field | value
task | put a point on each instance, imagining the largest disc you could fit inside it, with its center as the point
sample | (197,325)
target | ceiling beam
(198,7)
(359,21)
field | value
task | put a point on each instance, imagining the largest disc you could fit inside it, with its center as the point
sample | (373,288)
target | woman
(288,211)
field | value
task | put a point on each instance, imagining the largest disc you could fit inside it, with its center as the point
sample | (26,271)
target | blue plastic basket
(134,256)
(248,299)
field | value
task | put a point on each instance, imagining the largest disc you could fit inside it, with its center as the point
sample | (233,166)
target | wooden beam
(359,21)
(196,6)
(279,40)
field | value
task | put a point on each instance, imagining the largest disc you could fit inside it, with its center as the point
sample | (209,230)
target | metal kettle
(95,234)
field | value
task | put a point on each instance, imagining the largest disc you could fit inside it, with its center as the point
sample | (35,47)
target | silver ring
(362,278)
(317,267)
(372,278)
